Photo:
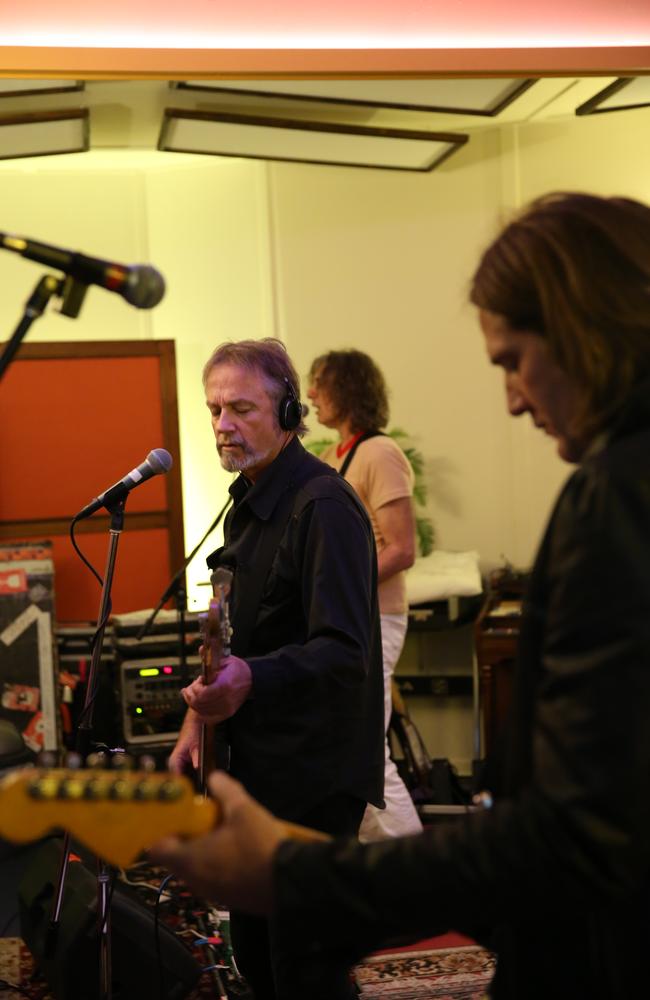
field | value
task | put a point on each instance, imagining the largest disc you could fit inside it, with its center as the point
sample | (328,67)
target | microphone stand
(177,588)
(35,307)
(70,290)
(82,746)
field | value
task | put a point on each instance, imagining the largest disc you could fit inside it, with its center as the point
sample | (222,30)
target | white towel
(443,574)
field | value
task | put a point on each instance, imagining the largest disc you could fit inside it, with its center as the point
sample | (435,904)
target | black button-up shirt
(305,617)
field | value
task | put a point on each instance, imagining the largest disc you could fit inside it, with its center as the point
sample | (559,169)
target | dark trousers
(268,964)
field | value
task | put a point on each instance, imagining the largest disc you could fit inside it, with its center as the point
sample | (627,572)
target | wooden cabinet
(496,638)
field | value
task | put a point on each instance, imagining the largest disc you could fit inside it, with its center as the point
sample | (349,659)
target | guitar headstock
(117,814)
(221,582)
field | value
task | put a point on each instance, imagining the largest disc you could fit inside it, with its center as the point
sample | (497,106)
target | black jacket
(313,726)
(556,876)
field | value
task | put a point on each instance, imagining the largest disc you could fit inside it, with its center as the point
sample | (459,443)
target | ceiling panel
(129,114)
(620,95)
(476,96)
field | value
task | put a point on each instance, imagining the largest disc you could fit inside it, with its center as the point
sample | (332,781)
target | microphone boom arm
(172,586)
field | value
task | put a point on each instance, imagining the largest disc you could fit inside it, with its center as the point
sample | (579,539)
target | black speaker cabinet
(70,960)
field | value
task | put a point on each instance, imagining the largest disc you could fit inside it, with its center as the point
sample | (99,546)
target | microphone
(156,462)
(140,284)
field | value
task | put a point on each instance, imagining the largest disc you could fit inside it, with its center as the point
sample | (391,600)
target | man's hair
(575,268)
(355,386)
(269,358)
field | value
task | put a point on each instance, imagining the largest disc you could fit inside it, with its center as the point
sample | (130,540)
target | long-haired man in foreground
(555,876)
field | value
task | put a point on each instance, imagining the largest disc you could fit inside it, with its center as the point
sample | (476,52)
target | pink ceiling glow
(325,24)
(300,36)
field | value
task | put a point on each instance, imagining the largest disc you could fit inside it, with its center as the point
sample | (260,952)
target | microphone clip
(73,295)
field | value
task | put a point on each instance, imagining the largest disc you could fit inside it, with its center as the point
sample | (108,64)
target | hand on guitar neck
(225,681)
(208,704)
(223,686)
(218,699)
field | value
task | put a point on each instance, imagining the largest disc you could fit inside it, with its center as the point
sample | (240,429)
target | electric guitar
(215,625)
(116,814)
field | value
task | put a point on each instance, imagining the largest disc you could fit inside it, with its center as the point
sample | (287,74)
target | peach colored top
(379,472)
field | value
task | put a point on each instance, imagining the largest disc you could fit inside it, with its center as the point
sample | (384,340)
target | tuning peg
(147,763)
(73,760)
(122,762)
(97,761)
(47,759)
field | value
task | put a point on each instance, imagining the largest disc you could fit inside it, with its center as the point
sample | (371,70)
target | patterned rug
(440,974)
(444,974)
(16,969)
(433,973)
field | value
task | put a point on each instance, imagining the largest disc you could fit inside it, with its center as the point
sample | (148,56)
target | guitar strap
(350,455)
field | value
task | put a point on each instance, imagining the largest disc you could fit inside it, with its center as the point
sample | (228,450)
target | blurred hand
(221,698)
(185,754)
(233,863)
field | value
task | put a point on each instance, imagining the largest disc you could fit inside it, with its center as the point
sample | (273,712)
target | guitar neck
(216,644)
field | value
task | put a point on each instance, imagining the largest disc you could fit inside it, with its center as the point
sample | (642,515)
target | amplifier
(152,706)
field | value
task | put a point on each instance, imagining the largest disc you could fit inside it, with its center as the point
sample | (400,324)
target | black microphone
(157,461)
(140,284)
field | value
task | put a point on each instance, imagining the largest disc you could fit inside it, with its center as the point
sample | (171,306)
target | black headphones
(290,413)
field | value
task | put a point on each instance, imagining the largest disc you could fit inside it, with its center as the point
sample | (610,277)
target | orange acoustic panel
(71,427)
(142,572)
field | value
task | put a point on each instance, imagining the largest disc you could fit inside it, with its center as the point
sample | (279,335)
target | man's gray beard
(231,463)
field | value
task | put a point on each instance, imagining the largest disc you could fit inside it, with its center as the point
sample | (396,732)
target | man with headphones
(299,701)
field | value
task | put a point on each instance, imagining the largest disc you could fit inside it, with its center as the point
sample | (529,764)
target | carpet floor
(446,968)
(462,973)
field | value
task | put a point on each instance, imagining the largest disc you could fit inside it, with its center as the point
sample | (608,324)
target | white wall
(382,261)
(208,228)
(87,202)
(204,224)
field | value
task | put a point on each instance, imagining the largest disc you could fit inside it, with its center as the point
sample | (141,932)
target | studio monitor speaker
(70,960)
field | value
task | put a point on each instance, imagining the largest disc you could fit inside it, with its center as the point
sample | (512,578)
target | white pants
(400,817)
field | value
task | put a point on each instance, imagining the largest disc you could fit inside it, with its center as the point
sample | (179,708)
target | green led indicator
(149,672)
